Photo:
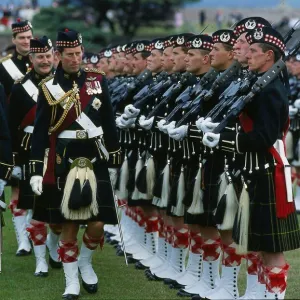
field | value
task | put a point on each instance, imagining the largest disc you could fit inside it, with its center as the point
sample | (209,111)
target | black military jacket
(6,78)
(22,107)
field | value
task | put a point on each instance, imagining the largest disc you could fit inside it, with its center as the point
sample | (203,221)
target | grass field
(116,280)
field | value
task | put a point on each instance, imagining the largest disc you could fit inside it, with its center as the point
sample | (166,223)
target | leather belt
(81,134)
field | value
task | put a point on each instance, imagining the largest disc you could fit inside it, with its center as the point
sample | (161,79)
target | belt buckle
(81,134)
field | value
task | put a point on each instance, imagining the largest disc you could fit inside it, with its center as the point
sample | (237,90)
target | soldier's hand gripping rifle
(209,77)
(196,104)
(259,85)
(172,93)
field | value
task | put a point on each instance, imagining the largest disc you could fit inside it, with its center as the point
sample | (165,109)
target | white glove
(208,126)
(297,103)
(36,183)
(113,175)
(131,112)
(198,123)
(210,139)
(170,126)
(292,111)
(126,122)
(146,124)
(160,124)
(17,172)
(2,185)
(179,133)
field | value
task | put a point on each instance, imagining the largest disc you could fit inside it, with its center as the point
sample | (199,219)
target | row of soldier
(201,122)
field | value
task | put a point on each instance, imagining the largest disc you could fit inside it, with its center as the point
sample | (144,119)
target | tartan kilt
(267,232)
(46,207)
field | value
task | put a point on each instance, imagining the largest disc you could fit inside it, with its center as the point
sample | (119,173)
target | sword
(117,207)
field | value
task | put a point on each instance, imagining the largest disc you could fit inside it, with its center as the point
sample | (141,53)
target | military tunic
(95,104)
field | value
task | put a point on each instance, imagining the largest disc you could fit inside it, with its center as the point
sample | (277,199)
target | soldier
(74,119)
(103,64)
(14,67)
(21,118)
(273,226)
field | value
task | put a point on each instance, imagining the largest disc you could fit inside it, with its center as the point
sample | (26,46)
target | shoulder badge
(46,79)
(9,56)
(93,70)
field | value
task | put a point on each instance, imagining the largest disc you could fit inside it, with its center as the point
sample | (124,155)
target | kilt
(46,207)
(212,169)
(267,232)
(26,196)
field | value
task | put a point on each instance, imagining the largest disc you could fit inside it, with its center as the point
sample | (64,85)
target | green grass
(116,280)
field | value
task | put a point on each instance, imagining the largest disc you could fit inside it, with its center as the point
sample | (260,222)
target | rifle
(209,77)
(258,86)
(171,93)
(155,92)
(134,86)
(205,95)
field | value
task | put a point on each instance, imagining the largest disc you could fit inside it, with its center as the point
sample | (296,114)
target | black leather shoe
(131,260)
(54,264)
(41,274)
(23,252)
(70,297)
(169,281)
(113,242)
(140,266)
(197,297)
(90,288)
(176,286)
(183,293)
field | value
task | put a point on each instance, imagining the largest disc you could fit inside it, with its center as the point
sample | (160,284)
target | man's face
(167,59)
(42,62)
(71,59)
(154,63)
(178,59)
(219,57)
(128,64)
(120,62)
(139,64)
(194,61)
(103,64)
(240,49)
(112,63)
(22,42)
(257,58)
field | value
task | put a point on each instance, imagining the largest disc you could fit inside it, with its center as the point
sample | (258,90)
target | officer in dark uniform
(14,67)
(74,119)
(273,226)
(22,110)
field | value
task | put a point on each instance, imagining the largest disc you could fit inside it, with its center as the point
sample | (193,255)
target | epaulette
(9,56)
(19,80)
(93,70)
(46,79)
